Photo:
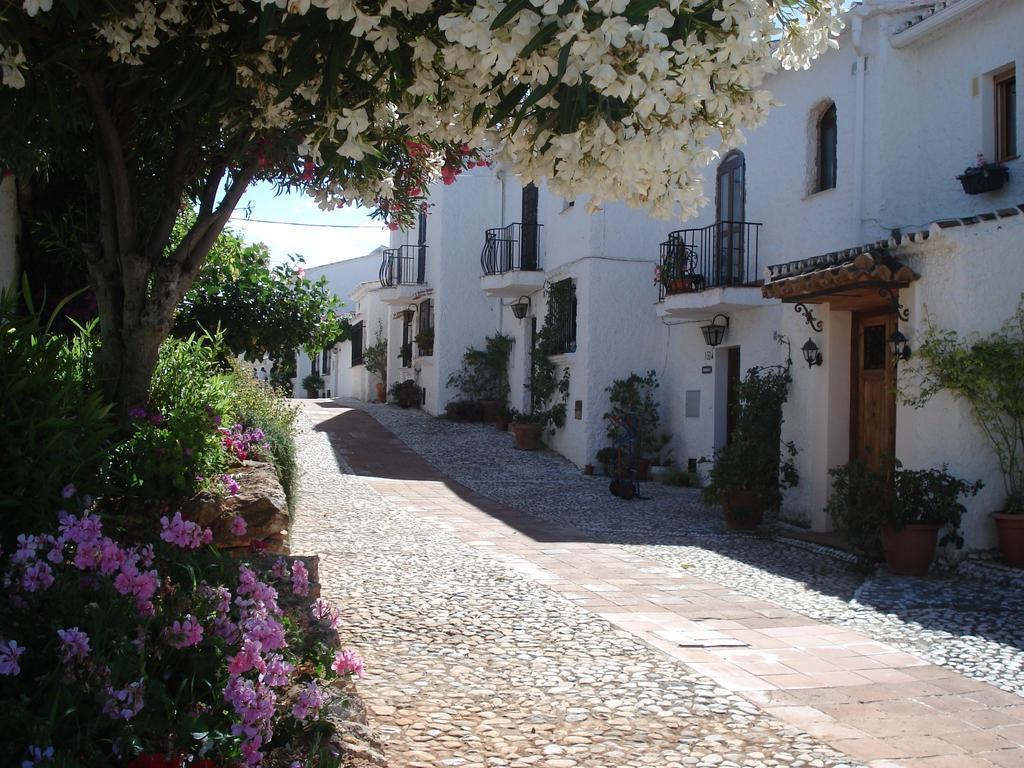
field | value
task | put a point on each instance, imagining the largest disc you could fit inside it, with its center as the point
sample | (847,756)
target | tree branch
(109,143)
(176,181)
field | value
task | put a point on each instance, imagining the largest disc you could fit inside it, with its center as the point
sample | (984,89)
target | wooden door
(873,390)
(730,211)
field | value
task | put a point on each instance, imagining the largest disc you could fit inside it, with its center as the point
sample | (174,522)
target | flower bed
(163,651)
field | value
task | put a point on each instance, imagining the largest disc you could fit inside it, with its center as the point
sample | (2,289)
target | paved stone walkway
(496,638)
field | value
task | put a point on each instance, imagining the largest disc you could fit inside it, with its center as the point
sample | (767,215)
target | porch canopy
(854,279)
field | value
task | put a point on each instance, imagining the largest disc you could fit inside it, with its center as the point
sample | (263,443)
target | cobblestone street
(497,634)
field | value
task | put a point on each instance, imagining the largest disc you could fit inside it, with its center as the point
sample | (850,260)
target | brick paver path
(864,698)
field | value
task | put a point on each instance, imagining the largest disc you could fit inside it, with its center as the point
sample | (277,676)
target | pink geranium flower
(74,644)
(10,652)
(238,525)
(348,662)
(186,633)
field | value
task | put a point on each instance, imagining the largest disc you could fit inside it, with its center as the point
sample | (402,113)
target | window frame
(1005,116)
(357,344)
(829,117)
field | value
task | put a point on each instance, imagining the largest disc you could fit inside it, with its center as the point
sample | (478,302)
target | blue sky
(319,245)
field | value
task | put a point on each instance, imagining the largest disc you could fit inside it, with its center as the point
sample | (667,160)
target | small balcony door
(421,250)
(730,213)
(528,259)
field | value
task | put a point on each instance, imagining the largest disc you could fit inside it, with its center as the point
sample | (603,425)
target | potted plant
(855,505)
(632,417)
(504,418)
(983,176)
(375,359)
(923,502)
(313,383)
(988,374)
(425,342)
(484,375)
(606,457)
(549,391)
(752,470)
(659,454)
(406,393)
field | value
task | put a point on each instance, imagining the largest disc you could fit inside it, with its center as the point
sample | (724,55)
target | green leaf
(508,12)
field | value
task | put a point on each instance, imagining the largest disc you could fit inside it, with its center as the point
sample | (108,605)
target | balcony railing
(722,254)
(405,265)
(515,247)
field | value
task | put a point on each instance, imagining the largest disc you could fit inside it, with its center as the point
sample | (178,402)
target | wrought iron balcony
(720,255)
(404,265)
(512,248)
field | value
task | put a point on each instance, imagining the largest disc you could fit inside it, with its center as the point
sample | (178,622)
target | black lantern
(714,332)
(899,346)
(520,307)
(811,353)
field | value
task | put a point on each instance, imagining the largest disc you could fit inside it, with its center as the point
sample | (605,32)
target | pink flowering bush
(245,442)
(161,647)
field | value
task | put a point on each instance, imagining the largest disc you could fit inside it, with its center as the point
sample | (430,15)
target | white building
(334,365)
(846,202)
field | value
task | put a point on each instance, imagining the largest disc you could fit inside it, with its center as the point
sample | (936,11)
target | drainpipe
(502,178)
(859,139)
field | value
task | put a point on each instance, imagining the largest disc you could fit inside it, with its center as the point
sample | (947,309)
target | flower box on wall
(985,178)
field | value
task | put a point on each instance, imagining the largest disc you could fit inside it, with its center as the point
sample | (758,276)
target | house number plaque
(705,369)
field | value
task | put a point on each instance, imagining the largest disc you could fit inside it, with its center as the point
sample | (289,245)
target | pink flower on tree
(10,652)
(74,644)
(348,662)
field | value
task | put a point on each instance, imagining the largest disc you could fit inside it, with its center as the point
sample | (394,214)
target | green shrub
(632,403)
(254,404)
(484,372)
(406,393)
(55,428)
(173,447)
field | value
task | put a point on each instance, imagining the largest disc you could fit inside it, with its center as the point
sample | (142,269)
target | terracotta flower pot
(527,436)
(382,392)
(1011,538)
(588,469)
(910,550)
(743,511)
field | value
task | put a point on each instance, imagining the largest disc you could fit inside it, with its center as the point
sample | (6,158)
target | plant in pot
(313,383)
(375,359)
(632,401)
(406,393)
(924,501)
(549,392)
(988,374)
(504,418)
(983,176)
(606,457)
(659,454)
(484,375)
(425,342)
(749,473)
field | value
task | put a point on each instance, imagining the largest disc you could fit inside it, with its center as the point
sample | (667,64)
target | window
(827,137)
(314,365)
(425,329)
(1006,115)
(327,361)
(357,344)
(562,314)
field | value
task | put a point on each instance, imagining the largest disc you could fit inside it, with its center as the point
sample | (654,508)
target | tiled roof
(838,258)
(926,13)
(872,263)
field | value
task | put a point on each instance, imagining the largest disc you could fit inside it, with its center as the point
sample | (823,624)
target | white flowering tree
(159,103)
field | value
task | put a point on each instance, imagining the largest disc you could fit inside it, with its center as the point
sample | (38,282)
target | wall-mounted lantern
(899,346)
(811,353)
(520,307)
(714,332)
